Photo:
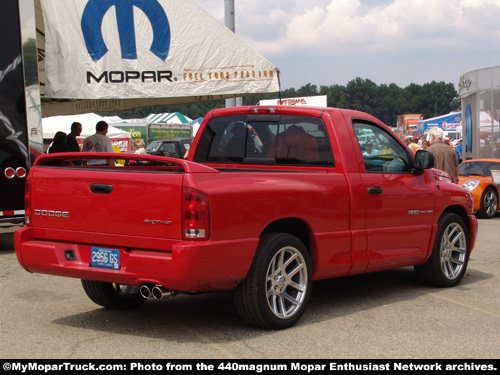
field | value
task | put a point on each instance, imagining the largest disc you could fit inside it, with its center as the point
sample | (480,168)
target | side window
(381,152)
(170,149)
(223,140)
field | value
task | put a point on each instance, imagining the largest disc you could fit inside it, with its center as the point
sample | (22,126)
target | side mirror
(424,159)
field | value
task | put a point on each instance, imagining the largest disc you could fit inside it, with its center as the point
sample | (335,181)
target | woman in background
(59,143)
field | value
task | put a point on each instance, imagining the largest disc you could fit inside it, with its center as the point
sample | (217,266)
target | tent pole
(229,21)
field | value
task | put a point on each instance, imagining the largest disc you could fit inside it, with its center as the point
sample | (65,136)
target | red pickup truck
(270,199)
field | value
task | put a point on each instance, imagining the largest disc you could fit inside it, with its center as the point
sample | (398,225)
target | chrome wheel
(286,282)
(447,263)
(453,251)
(277,288)
(490,203)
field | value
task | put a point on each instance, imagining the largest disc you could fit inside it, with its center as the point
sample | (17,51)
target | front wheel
(489,204)
(448,262)
(113,296)
(276,291)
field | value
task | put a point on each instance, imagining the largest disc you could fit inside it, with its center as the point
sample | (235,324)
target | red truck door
(399,204)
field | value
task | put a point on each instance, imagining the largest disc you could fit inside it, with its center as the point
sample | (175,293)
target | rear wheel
(448,262)
(277,288)
(113,296)
(489,204)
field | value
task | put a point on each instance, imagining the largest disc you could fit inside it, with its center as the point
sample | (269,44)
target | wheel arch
(460,211)
(471,231)
(294,226)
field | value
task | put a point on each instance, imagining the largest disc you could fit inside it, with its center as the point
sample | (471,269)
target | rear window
(266,139)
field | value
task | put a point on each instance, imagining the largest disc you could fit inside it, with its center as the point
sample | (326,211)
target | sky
(328,42)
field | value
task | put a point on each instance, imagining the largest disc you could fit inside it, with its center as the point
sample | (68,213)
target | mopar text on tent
(97,57)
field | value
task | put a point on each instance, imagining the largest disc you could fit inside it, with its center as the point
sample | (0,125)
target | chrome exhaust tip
(157,292)
(145,291)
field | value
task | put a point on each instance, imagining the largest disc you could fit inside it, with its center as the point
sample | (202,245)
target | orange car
(475,176)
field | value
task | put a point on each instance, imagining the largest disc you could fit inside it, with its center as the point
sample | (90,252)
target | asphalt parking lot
(380,315)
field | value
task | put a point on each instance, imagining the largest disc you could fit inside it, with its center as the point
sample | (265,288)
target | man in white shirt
(99,142)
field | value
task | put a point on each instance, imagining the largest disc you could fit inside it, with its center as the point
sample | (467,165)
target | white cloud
(402,41)
(284,26)
(343,24)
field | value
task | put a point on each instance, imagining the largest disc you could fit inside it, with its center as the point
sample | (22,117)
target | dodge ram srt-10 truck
(269,200)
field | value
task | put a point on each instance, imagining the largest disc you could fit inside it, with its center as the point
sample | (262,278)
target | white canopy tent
(173,53)
(51,125)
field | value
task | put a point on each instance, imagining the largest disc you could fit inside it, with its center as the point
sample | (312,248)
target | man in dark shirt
(71,142)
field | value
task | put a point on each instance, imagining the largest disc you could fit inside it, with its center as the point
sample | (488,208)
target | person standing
(444,155)
(71,142)
(58,143)
(413,145)
(459,151)
(99,142)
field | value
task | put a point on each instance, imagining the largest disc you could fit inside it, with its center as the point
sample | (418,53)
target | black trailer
(20,112)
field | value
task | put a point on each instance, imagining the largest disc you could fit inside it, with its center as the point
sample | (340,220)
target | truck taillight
(196,215)
(27,203)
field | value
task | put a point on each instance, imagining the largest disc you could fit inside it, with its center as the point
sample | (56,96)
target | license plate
(105,258)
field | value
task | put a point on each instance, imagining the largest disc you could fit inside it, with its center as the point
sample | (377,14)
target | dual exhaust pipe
(154,291)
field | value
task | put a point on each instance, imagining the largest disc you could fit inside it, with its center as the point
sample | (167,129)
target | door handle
(374,190)
(101,188)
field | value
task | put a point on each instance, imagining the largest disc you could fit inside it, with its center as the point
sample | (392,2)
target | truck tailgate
(133,208)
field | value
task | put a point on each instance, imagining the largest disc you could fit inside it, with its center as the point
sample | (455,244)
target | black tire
(448,262)
(489,204)
(277,289)
(113,296)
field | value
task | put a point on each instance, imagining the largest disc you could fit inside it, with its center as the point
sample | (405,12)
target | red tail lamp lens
(196,215)
(27,202)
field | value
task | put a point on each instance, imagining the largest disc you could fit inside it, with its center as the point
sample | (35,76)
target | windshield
(154,146)
(478,168)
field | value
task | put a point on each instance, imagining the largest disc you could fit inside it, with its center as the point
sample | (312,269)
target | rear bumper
(187,267)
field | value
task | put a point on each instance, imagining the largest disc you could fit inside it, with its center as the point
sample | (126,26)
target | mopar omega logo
(93,15)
